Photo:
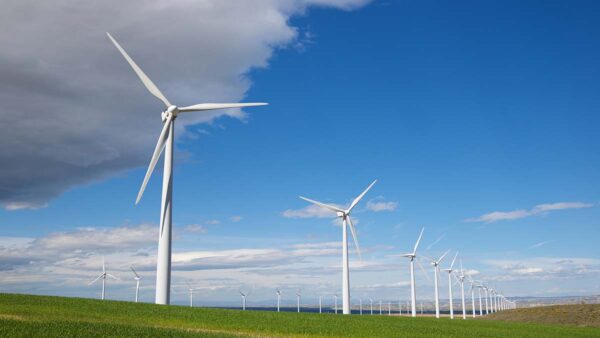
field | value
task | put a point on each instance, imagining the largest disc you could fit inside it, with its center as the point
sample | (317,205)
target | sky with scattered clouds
(478,120)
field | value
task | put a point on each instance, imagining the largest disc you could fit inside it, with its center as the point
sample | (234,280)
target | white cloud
(76,95)
(196,228)
(212,222)
(522,213)
(236,218)
(378,206)
(310,211)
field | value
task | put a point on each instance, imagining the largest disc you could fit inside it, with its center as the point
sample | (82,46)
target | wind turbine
(449,270)
(165,140)
(412,257)
(360,305)
(436,270)
(298,295)
(485,289)
(380,308)
(371,299)
(243,300)
(472,282)
(279,299)
(461,280)
(137,283)
(103,276)
(336,297)
(345,216)
(320,304)
(479,287)
(191,291)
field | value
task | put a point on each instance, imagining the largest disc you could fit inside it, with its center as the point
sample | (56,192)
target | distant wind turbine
(346,220)
(278,298)
(137,283)
(165,141)
(298,295)
(371,299)
(103,276)
(449,271)
(436,270)
(461,280)
(412,257)
(191,291)
(243,300)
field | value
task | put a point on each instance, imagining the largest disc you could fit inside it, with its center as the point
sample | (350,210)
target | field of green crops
(41,316)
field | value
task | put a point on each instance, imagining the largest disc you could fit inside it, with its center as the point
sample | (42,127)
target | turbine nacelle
(341,214)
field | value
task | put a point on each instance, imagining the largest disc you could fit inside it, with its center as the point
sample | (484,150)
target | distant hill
(580,315)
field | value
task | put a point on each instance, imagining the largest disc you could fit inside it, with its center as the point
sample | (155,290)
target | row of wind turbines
(163,268)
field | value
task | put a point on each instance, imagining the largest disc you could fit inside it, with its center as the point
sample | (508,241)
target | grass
(43,316)
(579,315)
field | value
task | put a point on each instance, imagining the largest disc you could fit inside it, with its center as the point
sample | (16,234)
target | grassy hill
(42,316)
(580,315)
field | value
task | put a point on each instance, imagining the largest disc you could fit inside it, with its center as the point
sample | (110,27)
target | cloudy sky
(479,120)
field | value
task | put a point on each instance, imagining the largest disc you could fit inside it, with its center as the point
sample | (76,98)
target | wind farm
(447,152)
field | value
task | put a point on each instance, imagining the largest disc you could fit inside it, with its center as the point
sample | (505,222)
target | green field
(42,316)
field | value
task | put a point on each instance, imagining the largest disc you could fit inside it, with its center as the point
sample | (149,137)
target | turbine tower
(298,298)
(449,271)
(165,141)
(461,279)
(278,298)
(346,220)
(436,270)
(243,300)
(137,283)
(412,257)
(191,291)
(103,276)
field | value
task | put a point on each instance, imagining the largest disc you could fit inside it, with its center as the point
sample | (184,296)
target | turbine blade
(145,79)
(134,272)
(444,255)
(353,231)
(452,265)
(423,270)
(94,281)
(160,145)
(103,266)
(213,106)
(113,277)
(327,206)
(357,199)
(418,240)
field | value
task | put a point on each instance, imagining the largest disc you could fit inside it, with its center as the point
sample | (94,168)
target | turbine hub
(341,214)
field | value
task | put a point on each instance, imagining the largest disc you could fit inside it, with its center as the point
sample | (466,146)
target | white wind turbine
(137,283)
(165,141)
(336,297)
(486,290)
(436,270)
(298,299)
(449,270)
(103,276)
(360,305)
(279,299)
(412,257)
(371,300)
(243,299)
(473,286)
(479,287)
(461,279)
(191,291)
(345,216)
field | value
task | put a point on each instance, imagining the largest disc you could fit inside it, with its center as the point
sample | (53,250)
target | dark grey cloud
(73,112)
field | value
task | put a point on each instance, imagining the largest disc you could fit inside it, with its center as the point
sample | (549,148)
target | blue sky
(459,109)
